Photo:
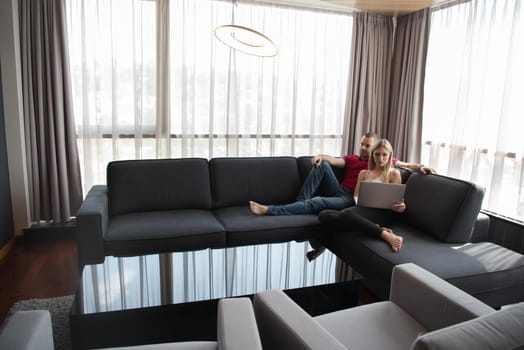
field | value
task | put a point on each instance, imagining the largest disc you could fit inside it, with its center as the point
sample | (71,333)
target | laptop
(380,195)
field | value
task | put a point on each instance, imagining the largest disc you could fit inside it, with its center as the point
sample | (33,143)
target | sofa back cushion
(304,167)
(268,180)
(442,206)
(164,184)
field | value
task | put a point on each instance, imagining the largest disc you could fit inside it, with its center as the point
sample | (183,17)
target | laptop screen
(380,195)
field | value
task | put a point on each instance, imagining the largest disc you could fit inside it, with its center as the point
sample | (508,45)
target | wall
(6,214)
(11,82)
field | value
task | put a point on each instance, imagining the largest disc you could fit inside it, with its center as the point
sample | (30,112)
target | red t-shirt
(354,164)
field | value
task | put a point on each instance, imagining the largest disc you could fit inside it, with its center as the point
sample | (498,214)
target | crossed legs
(367,220)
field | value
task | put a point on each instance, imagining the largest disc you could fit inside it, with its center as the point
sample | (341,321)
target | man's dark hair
(372,134)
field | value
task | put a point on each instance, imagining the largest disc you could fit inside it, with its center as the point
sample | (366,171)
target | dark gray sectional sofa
(155,206)
(441,222)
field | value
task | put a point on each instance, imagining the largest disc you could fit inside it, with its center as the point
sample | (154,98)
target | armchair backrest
(430,300)
(501,330)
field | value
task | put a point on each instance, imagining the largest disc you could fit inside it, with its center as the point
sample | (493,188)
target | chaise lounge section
(438,228)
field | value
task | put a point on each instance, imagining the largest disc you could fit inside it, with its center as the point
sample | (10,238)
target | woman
(369,220)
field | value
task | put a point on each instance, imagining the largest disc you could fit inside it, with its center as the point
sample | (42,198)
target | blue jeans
(321,179)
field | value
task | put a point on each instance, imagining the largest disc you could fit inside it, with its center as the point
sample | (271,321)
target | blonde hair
(371,162)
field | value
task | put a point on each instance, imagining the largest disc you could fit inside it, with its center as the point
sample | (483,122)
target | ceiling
(385,7)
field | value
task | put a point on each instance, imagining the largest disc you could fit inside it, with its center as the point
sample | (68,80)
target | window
(138,96)
(473,105)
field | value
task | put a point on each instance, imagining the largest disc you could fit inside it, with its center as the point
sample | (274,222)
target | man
(334,195)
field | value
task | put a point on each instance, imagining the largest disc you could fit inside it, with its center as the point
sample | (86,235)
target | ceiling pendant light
(245,39)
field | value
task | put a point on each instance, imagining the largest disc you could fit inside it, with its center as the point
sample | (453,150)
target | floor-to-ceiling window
(152,81)
(473,102)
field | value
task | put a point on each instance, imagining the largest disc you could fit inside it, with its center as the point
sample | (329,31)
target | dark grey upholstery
(148,206)
(92,220)
(442,207)
(244,228)
(155,206)
(164,184)
(163,231)
(440,210)
(236,181)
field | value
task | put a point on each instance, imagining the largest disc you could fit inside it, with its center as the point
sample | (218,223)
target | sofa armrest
(480,229)
(430,300)
(284,325)
(26,330)
(91,224)
(236,325)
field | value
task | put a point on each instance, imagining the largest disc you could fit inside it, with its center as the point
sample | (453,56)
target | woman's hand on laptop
(399,207)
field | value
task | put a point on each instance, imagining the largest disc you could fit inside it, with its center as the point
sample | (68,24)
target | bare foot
(394,241)
(258,209)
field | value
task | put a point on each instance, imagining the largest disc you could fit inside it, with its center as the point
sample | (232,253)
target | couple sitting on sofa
(373,163)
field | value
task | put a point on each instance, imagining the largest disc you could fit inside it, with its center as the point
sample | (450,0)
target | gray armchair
(236,330)
(423,312)
(27,330)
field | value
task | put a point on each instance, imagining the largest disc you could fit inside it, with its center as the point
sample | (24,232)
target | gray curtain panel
(386,82)
(407,85)
(367,103)
(52,155)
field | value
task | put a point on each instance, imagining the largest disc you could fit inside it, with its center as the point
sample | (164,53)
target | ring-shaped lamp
(246,40)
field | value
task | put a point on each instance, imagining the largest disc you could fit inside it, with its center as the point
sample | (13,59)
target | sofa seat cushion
(173,230)
(372,326)
(244,228)
(484,270)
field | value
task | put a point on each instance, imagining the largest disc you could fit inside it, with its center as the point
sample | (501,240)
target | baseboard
(51,232)
(6,249)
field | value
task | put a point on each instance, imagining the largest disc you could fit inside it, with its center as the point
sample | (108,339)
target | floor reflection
(153,280)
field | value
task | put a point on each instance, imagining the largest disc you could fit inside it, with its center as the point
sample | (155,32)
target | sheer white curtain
(226,103)
(473,102)
(152,81)
(113,67)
